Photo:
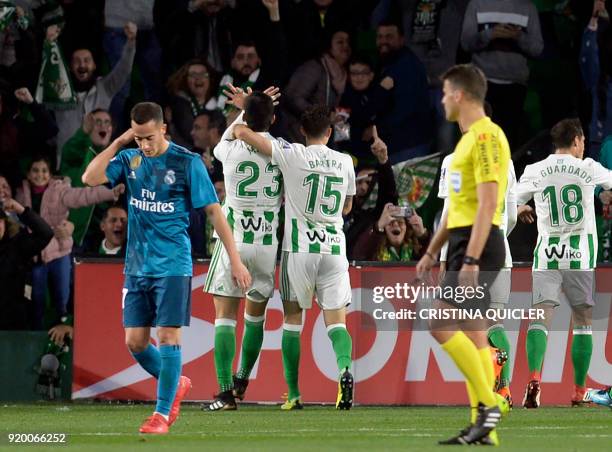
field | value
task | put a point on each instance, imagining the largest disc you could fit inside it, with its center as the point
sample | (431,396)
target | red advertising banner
(401,364)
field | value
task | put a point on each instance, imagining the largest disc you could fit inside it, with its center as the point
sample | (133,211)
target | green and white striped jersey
(253,190)
(317,181)
(562,187)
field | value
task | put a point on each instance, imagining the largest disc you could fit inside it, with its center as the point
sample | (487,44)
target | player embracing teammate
(254,194)
(319,184)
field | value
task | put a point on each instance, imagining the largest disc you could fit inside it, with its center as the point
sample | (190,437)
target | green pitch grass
(93,427)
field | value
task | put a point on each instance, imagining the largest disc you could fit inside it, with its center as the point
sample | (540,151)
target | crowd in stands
(70,70)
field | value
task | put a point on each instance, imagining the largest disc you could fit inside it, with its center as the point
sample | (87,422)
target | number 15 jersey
(317,181)
(562,187)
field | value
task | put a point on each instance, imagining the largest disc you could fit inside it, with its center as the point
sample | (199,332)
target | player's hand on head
(378,147)
(241,276)
(274,93)
(126,137)
(236,96)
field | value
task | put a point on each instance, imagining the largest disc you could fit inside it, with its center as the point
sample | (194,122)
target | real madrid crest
(135,162)
(170,178)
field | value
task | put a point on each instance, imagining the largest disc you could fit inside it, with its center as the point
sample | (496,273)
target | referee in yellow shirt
(477,178)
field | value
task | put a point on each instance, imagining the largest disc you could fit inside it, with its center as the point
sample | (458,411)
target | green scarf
(223,86)
(54,86)
(196,108)
(389,254)
(7,13)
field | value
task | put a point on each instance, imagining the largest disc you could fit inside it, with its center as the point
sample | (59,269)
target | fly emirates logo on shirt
(149,204)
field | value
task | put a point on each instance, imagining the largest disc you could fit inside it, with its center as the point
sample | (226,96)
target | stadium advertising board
(397,362)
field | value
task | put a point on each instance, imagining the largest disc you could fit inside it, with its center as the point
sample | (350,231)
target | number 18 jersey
(317,181)
(563,190)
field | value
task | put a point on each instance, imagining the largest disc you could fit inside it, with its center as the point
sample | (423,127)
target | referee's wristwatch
(469,260)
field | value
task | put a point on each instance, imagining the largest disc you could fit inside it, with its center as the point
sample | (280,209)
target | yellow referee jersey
(482,155)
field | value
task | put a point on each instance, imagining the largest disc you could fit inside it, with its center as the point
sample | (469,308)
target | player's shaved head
(469,79)
(316,121)
(259,112)
(144,112)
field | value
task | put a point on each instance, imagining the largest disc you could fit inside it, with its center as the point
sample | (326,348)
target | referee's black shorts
(491,261)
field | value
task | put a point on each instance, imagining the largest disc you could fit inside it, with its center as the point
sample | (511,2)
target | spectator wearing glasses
(192,92)
(93,137)
(356,113)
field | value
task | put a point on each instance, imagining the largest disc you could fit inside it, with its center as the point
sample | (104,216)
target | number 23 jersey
(253,191)
(317,181)
(562,187)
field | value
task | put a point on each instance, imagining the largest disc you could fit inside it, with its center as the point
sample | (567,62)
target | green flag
(415,178)
(54,85)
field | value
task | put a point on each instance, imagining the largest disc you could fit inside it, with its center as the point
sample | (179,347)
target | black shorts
(491,261)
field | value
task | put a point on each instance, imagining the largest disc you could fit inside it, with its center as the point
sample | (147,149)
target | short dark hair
(40,158)
(316,120)
(216,120)
(468,78)
(100,110)
(112,206)
(259,111)
(565,132)
(144,112)
(244,43)
(361,59)
(392,23)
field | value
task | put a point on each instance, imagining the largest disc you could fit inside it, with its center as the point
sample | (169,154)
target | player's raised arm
(259,142)
(95,173)
(240,274)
